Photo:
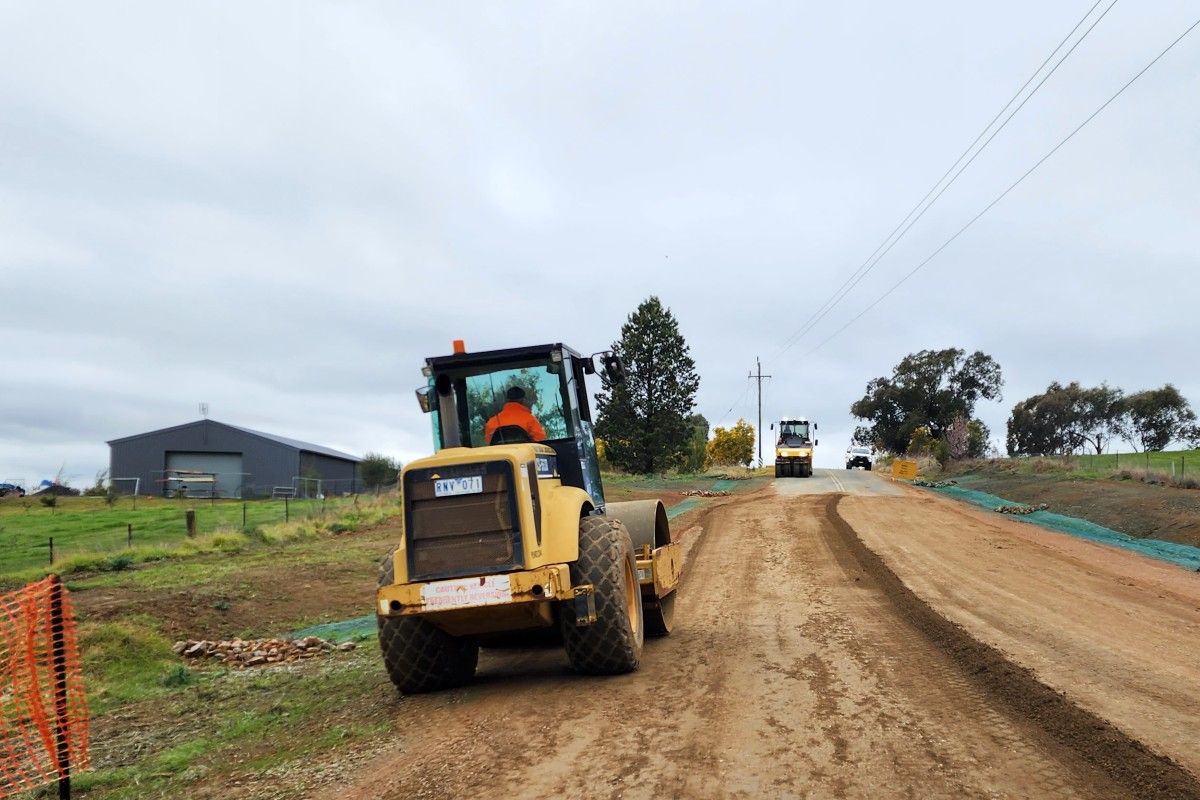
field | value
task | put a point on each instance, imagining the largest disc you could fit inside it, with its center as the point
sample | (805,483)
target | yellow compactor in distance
(794,448)
(505,537)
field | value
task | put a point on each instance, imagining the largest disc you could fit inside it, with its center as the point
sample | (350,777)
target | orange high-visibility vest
(517,414)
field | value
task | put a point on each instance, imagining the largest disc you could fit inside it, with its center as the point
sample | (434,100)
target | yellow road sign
(904,469)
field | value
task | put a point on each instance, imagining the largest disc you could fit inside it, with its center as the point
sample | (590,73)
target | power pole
(757,375)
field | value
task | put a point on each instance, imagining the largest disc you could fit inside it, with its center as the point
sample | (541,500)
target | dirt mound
(1135,508)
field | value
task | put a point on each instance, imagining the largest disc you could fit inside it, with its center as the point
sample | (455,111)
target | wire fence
(1176,464)
(40,536)
(198,484)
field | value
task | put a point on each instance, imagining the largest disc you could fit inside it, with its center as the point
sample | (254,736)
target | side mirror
(614,370)
(423,400)
(817,443)
(589,366)
(815,426)
(772,426)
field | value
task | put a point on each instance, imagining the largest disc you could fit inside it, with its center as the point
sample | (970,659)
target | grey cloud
(281,210)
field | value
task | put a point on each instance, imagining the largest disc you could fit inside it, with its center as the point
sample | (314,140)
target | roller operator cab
(794,448)
(506,533)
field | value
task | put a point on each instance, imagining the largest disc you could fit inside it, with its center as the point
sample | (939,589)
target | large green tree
(926,389)
(645,420)
(1064,419)
(1156,417)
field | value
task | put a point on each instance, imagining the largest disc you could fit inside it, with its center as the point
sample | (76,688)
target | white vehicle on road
(860,457)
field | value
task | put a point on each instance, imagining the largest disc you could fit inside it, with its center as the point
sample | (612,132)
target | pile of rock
(934,484)
(704,493)
(256,652)
(1021,509)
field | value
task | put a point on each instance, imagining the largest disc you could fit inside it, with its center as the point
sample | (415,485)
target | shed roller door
(227,466)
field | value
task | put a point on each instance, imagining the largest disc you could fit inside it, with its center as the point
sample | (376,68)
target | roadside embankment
(1142,510)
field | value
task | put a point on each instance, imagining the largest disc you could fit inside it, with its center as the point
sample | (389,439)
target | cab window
(484,396)
(793,434)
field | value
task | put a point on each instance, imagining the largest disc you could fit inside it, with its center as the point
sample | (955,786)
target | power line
(1011,186)
(733,405)
(905,224)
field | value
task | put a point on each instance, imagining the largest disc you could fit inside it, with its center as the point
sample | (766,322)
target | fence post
(62,718)
(52,551)
(287,517)
(129,534)
(190,516)
(243,515)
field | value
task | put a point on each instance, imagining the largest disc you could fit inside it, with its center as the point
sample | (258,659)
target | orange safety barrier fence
(43,711)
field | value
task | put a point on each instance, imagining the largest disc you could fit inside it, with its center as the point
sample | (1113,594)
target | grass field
(1177,462)
(88,526)
(1176,468)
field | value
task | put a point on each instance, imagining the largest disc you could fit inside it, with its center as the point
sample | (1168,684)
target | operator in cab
(515,414)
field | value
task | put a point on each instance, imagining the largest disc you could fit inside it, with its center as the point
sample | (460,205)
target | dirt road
(803,666)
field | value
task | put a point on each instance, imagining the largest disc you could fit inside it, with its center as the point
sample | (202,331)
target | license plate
(448,487)
(467,592)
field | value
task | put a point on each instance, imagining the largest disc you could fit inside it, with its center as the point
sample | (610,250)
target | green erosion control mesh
(345,631)
(1180,554)
(364,627)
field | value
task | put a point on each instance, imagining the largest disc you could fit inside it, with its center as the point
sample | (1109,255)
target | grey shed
(209,458)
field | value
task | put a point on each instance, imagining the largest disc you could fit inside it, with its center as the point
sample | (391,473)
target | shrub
(732,446)
(118,563)
(228,542)
(179,675)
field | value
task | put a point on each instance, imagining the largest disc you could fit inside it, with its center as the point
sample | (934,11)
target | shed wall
(266,463)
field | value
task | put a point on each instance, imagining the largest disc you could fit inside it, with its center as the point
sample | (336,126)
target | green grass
(126,661)
(88,533)
(1183,462)
(1180,468)
(678,482)
(243,722)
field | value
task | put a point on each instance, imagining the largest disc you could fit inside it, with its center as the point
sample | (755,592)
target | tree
(978,439)
(644,421)
(695,454)
(1097,415)
(930,389)
(958,437)
(732,446)
(1063,419)
(1038,424)
(378,471)
(865,436)
(1156,417)
(1191,436)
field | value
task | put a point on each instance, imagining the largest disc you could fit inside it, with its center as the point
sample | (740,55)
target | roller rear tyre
(613,643)
(418,655)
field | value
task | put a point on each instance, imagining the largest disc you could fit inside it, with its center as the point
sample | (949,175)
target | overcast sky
(281,209)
